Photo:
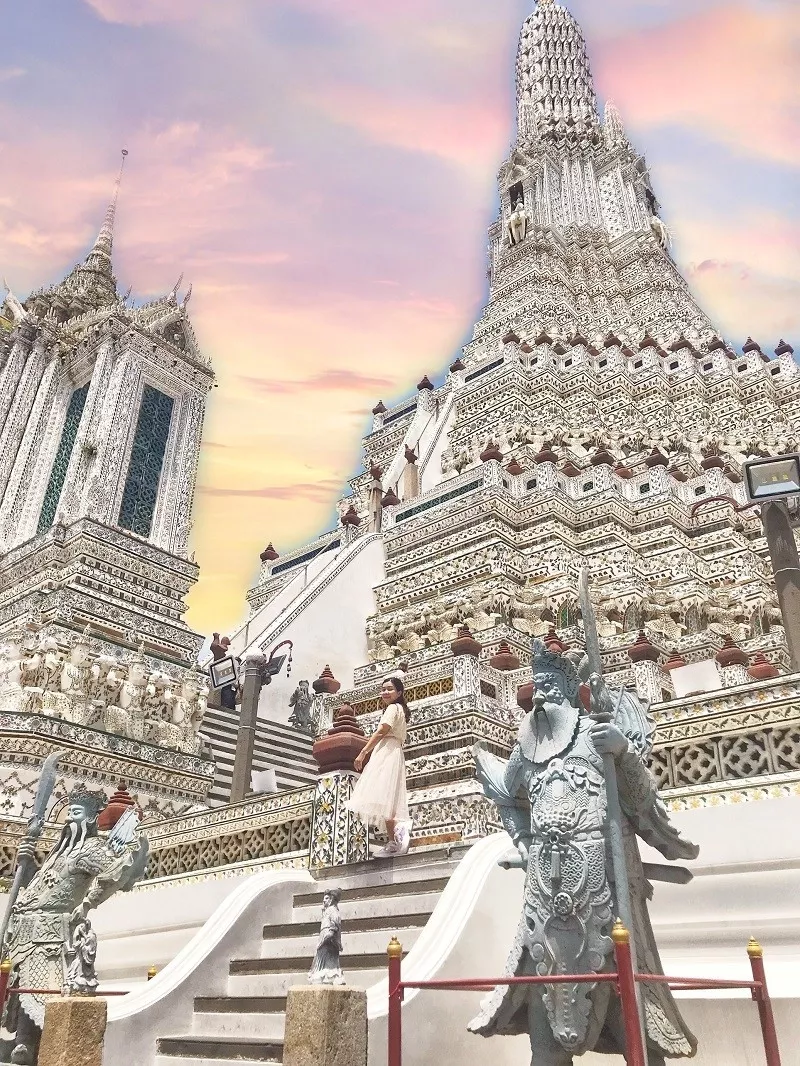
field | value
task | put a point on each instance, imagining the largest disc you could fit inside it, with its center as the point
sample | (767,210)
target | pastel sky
(322,171)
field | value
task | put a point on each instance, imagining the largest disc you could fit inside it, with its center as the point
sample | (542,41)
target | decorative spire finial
(100,256)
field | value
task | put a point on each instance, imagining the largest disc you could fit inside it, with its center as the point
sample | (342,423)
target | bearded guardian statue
(50,940)
(301,700)
(551,797)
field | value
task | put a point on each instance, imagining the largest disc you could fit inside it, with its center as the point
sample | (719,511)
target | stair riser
(279,984)
(246,1026)
(283,754)
(373,908)
(175,1060)
(371,943)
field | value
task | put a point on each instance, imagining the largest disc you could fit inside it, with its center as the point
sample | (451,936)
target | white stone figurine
(126,717)
(327,966)
(73,701)
(518,223)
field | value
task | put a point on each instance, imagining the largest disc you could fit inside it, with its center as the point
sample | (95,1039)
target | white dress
(380,792)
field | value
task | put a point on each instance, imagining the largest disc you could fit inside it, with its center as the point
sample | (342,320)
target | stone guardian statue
(327,966)
(551,797)
(50,940)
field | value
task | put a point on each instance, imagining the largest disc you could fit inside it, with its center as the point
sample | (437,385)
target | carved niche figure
(301,701)
(327,966)
(156,711)
(72,703)
(50,942)
(661,232)
(193,740)
(41,677)
(104,683)
(11,675)
(551,798)
(126,717)
(518,223)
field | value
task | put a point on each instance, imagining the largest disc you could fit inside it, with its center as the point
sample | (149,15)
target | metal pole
(395,953)
(5,976)
(786,569)
(634,1045)
(761,996)
(254,678)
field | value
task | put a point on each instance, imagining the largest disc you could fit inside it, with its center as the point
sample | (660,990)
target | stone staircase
(380,899)
(278,747)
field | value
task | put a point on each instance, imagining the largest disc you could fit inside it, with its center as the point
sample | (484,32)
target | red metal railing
(623,978)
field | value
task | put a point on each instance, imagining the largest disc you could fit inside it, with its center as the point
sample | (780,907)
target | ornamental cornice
(94,740)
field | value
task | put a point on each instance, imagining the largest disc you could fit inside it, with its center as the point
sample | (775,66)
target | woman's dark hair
(400,688)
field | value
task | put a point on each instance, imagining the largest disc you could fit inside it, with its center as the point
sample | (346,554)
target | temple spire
(555,90)
(99,258)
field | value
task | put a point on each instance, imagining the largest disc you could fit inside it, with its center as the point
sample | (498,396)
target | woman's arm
(382,731)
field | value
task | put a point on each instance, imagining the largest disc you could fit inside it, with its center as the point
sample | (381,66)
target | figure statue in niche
(72,702)
(18,312)
(551,798)
(661,232)
(103,687)
(327,966)
(11,675)
(50,941)
(301,700)
(41,672)
(518,223)
(127,716)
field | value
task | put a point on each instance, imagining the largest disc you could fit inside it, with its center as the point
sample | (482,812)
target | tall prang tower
(101,416)
(595,404)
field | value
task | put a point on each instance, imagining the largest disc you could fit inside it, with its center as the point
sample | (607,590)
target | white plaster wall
(330,629)
(164,1006)
(151,924)
(438,434)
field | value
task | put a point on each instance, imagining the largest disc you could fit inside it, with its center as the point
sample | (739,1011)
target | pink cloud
(144,12)
(729,72)
(326,381)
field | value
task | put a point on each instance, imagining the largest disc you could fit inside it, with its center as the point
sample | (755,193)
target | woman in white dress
(379,797)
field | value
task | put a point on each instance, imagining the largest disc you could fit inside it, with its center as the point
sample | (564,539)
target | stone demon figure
(551,796)
(50,940)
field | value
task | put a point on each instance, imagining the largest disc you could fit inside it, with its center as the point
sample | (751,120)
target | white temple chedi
(101,415)
(595,405)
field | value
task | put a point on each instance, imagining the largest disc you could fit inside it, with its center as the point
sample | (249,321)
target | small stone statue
(518,223)
(301,717)
(81,976)
(327,967)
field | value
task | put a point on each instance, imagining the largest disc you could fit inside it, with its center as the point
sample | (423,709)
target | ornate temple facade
(595,405)
(101,415)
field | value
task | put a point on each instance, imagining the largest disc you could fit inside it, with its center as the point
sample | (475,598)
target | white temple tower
(101,416)
(594,406)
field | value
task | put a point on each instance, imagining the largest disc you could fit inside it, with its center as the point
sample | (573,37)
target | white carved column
(646,670)
(466,678)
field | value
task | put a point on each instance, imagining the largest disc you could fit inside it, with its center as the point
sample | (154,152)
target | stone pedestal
(325,1026)
(74,1028)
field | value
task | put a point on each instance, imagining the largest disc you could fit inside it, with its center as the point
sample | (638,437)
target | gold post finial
(754,949)
(395,949)
(151,973)
(619,934)
(6,966)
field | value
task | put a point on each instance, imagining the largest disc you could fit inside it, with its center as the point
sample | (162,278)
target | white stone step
(381,906)
(278,984)
(266,1025)
(371,942)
